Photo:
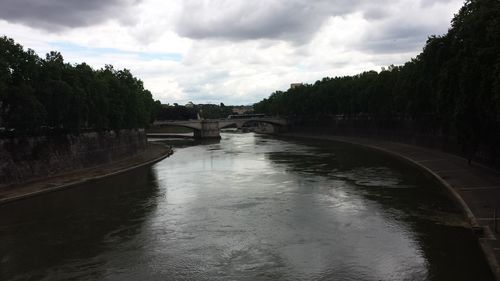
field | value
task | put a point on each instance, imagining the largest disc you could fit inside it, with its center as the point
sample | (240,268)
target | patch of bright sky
(67,47)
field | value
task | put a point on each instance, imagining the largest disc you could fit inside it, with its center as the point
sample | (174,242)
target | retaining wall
(25,158)
(404,131)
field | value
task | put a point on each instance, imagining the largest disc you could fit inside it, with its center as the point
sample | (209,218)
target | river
(248,208)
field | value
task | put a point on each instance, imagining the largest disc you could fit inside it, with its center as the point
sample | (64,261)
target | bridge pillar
(209,130)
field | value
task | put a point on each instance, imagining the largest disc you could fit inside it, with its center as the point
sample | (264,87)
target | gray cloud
(428,3)
(376,13)
(396,38)
(55,15)
(196,82)
(293,20)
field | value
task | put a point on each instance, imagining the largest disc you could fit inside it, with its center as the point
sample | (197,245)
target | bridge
(210,128)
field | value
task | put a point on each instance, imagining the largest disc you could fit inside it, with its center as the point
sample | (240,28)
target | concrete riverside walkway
(474,187)
(37,186)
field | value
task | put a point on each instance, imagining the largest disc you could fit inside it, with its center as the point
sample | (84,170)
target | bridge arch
(275,123)
(224,125)
(211,128)
(194,128)
(239,123)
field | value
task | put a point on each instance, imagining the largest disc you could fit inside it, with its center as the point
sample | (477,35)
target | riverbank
(476,189)
(152,154)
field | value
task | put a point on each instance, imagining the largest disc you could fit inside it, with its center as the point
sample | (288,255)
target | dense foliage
(176,112)
(453,85)
(39,94)
(213,111)
(191,111)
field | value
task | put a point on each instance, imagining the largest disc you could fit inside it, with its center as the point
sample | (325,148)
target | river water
(248,208)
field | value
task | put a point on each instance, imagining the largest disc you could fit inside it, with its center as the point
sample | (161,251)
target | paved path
(474,187)
(154,153)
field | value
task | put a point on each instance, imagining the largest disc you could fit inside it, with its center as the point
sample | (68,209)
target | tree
(451,87)
(49,93)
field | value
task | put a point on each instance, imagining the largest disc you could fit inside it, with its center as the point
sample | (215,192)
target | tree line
(192,111)
(48,94)
(452,86)
(176,112)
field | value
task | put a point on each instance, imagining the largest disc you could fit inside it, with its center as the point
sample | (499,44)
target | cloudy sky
(231,51)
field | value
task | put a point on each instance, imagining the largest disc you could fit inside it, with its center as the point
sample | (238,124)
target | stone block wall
(25,158)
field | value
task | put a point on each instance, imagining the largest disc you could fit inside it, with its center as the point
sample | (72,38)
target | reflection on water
(247,208)
(67,235)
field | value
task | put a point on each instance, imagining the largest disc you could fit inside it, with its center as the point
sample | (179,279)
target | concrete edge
(454,194)
(485,247)
(490,258)
(84,180)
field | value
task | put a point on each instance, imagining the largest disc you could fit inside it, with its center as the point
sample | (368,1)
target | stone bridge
(210,128)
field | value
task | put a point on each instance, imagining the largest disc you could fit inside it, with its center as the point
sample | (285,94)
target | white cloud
(238,52)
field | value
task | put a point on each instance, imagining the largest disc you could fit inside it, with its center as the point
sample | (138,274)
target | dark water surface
(248,208)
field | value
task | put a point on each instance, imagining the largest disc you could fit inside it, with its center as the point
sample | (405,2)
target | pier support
(209,130)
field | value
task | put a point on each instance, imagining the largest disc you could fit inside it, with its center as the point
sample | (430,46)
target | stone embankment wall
(404,131)
(26,158)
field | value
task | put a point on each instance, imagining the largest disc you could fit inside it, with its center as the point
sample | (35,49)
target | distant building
(242,109)
(295,85)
